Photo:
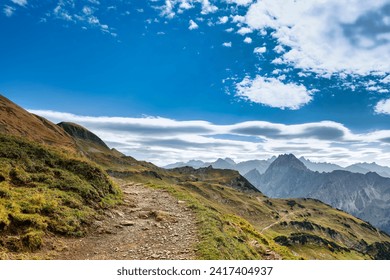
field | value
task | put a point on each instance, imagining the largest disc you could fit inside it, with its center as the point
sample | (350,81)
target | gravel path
(151,224)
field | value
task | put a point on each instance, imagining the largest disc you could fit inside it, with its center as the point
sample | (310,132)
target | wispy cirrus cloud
(84,14)
(20,2)
(8,11)
(162,140)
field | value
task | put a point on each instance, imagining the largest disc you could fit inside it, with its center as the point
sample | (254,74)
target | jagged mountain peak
(253,172)
(229,160)
(287,161)
(222,160)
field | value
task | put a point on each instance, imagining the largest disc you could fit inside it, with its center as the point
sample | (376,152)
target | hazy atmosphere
(175,80)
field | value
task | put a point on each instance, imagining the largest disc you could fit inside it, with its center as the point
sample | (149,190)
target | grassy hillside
(93,148)
(43,191)
(16,121)
(236,222)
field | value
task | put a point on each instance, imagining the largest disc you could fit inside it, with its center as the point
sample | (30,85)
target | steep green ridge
(93,148)
(43,190)
(237,222)
(82,134)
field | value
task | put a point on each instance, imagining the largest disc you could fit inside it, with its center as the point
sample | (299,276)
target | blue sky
(179,79)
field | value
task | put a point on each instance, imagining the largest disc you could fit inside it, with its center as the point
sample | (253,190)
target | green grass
(44,190)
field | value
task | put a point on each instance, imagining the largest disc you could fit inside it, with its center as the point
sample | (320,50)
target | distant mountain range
(261,166)
(227,163)
(362,167)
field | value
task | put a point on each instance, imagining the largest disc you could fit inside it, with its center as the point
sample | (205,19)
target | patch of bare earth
(150,224)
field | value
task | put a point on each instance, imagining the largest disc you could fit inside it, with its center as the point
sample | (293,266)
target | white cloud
(328,36)
(238,18)
(192,25)
(248,40)
(20,2)
(383,107)
(227,44)
(66,10)
(168,9)
(240,2)
(61,13)
(223,20)
(185,5)
(229,29)
(171,7)
(260,50)
(273,93)
(207,7)
(87,10)
(244,30)
(8,11)
(279,49)
(163,140)
(386,80)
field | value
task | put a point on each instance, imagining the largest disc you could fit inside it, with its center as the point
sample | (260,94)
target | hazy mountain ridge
(227,163)
(261,166)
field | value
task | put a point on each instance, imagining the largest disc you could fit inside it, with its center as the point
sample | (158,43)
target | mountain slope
(246,166)
(82,134)
(364,168)
(364,195)
(16,121)
(320,166)
(93,148)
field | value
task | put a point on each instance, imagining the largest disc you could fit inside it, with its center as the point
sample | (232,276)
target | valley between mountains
(64,194)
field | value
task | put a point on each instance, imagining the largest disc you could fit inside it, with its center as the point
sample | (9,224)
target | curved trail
(280,220)
(151,224)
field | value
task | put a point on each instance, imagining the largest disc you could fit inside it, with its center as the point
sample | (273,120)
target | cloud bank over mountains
(163,140)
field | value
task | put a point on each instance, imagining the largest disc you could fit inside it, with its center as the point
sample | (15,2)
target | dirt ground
(151,224)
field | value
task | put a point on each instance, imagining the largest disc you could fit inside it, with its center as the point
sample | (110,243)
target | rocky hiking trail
(150,224)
